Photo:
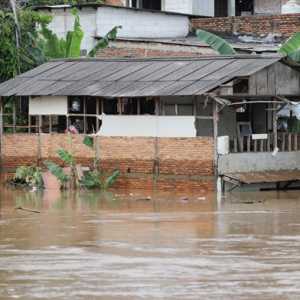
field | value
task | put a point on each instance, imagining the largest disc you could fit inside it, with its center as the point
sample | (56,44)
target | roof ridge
(177,58)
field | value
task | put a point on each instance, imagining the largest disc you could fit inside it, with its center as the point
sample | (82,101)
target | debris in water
(28,210)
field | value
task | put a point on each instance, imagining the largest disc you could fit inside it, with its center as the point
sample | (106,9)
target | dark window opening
(145,4)
(147,107)
(241,86)
(75,105)
(129,106)
(110,106)
(91,105)
(152,4)
(221,8)
(244,7)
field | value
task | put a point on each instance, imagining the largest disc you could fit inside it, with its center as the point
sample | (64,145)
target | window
(179,109)
(145,4)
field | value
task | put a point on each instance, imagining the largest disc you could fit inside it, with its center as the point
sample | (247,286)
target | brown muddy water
(109,246)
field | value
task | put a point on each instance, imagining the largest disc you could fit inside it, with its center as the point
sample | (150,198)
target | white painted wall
(135,24)
(63,21)
(182,6)
(141,24)
(203,7)
(147,126)
(195,7)
(48,105)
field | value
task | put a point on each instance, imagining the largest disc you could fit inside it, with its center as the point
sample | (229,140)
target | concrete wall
(135,24)
(195,7)
(258,162)
(48,105)
(148,126)
(267,7)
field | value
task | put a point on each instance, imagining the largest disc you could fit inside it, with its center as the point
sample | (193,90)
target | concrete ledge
(258,162)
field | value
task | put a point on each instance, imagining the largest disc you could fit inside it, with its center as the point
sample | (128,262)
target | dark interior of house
(147,4)
(241,7)
(244,6)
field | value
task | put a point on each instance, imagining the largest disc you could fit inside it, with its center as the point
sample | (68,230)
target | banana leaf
(291,45)
(88,141)
(104,42)
(215,42)
(111,179)
(74,38)
(57,171)
(66,157)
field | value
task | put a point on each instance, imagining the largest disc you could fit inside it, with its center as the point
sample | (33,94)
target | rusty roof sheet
(134,77)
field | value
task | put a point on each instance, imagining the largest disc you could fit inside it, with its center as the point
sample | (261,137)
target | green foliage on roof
(215,42)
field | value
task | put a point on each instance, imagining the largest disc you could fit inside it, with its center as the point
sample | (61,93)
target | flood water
(128,246)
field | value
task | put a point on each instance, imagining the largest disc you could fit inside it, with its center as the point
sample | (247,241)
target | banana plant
(215,42)
(289,49)
(70,47)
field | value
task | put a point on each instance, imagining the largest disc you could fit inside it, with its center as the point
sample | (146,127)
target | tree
(13,58)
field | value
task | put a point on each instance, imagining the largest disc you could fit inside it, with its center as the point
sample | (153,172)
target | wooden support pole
(275,141)
(84,116)
(14,115)
(1,131)
(40,123)
(29,123)
(157,102)
(50,124)
(98,114)
(216,133)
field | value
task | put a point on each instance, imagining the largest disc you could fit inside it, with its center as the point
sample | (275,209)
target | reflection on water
(92,245)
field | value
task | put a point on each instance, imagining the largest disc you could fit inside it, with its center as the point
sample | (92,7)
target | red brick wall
(176,156)
(192,157)
(285,25)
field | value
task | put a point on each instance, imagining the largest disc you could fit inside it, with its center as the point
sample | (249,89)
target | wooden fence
(286,142)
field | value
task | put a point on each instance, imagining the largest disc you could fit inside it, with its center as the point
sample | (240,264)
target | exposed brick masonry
(175,157)
(285,25)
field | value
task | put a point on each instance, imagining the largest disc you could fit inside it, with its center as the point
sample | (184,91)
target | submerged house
(180,121)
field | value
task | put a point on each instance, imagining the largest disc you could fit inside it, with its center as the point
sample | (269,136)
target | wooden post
(216,133)
(290,142)
(1,131)
(39,150)
(40,123)
(275,141)
(29,123)
(50,124)
(97,114)
(157,106)
(14,115)
(295,142)
(84,115)
(67,123)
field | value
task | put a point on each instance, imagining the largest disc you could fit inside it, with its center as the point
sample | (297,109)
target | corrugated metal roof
(134,77)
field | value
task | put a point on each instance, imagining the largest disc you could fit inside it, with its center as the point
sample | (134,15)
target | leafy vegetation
(58,172)
(58,2)
(92,179)
(290,49)
(17,59)
(215,42)
(29,176)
